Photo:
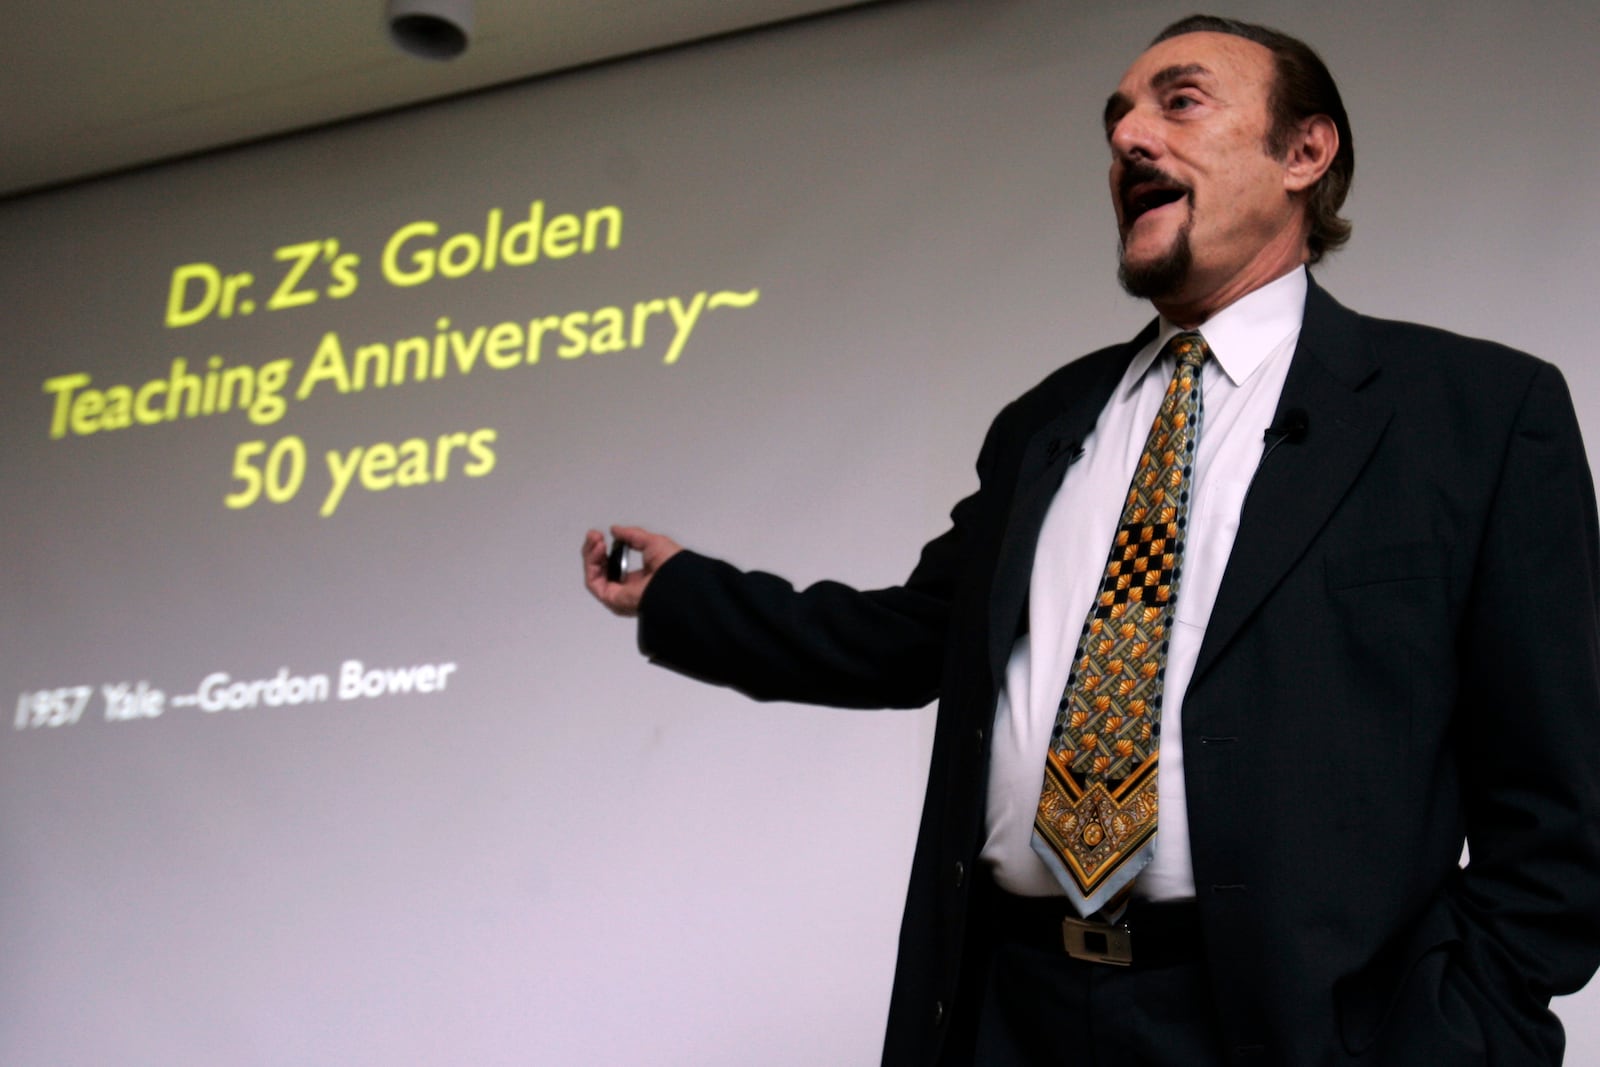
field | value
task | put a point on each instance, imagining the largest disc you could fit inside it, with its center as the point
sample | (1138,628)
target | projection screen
(314,749)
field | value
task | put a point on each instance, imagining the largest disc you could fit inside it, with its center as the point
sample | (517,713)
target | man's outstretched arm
(827,643)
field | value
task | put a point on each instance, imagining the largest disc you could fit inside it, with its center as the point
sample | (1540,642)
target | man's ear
(1310,153)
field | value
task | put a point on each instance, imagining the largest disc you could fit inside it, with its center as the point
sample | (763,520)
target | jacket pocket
(1408,561)
(1412,969)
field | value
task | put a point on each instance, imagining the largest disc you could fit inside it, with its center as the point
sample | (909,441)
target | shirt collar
(1242,335)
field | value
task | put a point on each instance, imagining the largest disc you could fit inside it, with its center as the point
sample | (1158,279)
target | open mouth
(1144,189)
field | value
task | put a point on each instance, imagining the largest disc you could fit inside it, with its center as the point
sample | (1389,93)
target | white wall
(569,856)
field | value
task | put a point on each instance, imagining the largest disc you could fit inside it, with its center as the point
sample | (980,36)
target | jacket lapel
(1299,483)
(1045,459)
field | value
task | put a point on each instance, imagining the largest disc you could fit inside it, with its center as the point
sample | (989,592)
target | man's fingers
(621,598)
(594,560)
(655,548)
(634,536)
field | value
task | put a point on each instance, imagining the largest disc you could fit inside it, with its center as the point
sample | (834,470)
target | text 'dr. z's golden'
(412,255)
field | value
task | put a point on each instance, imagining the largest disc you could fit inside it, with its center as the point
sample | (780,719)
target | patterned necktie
(1096,823)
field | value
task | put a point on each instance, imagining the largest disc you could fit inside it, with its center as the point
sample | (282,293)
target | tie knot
(1189,348)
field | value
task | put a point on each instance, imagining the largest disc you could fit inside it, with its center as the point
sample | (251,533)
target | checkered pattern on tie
(1096,821)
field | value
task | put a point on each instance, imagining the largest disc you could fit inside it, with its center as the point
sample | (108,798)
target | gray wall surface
(558,854)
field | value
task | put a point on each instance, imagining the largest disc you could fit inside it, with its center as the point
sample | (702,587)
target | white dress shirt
(1252,341)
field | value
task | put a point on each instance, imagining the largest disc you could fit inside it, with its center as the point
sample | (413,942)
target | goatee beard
(1162,277)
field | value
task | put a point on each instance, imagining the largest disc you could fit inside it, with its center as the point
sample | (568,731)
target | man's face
(1203,210)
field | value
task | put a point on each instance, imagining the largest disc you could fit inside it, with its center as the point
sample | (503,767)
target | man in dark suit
(1386,645)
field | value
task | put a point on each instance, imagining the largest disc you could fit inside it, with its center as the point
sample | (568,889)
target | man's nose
(1135,136)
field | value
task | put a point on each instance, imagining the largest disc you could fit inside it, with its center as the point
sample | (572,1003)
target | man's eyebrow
(1167,75)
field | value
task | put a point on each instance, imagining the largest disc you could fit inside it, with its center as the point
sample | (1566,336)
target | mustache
(1141,171)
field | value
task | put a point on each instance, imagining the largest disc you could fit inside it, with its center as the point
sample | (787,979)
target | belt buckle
(1097,942)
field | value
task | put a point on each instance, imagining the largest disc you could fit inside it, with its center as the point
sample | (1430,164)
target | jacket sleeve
(1527,905)
(825,644)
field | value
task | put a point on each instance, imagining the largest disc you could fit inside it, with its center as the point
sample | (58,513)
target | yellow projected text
(410,255)
(180,394)
(414,255)
(277,471)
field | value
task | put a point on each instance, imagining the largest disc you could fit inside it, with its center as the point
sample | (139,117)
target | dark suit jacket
(1403,655)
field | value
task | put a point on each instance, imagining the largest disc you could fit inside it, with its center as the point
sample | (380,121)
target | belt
(1148,934)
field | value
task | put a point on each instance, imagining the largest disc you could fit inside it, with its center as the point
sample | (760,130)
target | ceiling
(95,86)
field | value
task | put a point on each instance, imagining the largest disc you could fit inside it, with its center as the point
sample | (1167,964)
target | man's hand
(623,597)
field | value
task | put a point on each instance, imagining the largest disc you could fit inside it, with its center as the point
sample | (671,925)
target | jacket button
(938,1012)
(979,733)
(961,873)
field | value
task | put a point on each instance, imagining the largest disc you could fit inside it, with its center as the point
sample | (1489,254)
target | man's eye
(1181,103)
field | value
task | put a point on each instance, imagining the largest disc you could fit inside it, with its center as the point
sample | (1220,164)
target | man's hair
(1302,88)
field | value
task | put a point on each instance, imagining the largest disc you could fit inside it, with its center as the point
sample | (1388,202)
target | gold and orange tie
(1096,823)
